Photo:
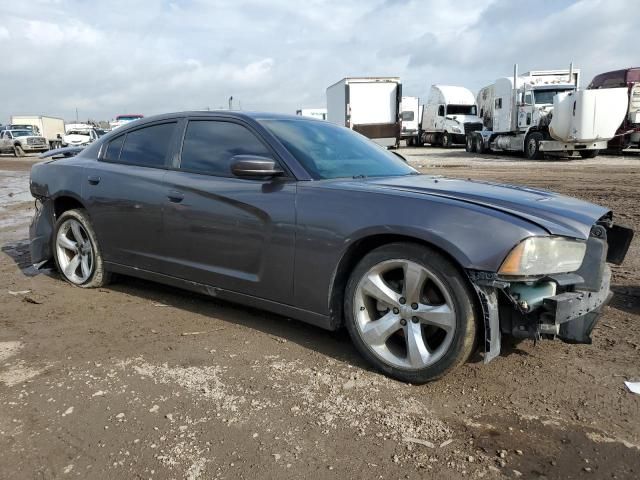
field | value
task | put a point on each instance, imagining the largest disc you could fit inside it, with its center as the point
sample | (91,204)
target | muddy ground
(139,380)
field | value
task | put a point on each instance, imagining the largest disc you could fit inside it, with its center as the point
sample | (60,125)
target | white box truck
(410,119)
(449,114)
(544,112)
(51,128)
(319,113)
(368,105)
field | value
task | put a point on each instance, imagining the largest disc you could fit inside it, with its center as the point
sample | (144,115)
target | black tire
(589,153)
(445,140)
(99,277)
(464,339)
(532,146)
(470,144)
(18,151)
(479,144)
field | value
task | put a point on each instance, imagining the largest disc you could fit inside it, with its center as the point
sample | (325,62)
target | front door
(125,193)
(236,234)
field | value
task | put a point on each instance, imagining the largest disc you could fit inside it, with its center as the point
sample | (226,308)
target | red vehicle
(628,135)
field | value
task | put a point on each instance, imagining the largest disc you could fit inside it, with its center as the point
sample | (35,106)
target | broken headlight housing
(536,256)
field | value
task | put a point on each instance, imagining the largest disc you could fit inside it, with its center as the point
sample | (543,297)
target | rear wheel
(469,144)
(532,146)
(446,140)
(410,312)
(589,153)
(77,252)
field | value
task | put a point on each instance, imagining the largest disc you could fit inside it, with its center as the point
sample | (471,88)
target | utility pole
(76,114)
(231,102)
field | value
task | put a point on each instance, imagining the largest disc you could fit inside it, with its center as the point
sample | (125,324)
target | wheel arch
(65,201)
(362,246)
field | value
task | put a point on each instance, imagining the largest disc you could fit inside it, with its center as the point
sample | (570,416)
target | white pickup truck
(20,142)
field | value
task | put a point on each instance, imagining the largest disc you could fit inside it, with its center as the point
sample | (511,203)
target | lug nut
(415,319)
(414,306)
(395,310)
(402,300)
(403,322)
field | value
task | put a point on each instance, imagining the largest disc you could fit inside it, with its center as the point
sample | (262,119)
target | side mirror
(254,166)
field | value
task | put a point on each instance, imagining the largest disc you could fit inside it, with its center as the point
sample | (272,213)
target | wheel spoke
(414,278)
(376,287)
(71,268)
(440,316)
(84,264)
(66,243)
(77,233)
(378,331)
(417,351)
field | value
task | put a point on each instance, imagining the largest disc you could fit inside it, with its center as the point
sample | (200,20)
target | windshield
(328,151)
(461,110)
(545,97)
(21,133)
(128,118)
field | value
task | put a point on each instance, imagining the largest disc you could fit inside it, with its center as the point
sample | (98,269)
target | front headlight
(456,129)
(544,256)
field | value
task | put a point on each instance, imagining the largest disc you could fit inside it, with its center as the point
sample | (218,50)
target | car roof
(223,113)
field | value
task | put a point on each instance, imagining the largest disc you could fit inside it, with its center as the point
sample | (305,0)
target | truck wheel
(446,140)
(532,146)
(478,144)
(18,151)
(470,145)
(589,153)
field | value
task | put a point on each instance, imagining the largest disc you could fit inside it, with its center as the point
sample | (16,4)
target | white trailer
(449,114)
(410,119)
(544,112)
(319,113)
(51,128)
(368,105)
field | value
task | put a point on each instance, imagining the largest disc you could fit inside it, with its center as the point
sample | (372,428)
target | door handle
(175,196)
(93,179)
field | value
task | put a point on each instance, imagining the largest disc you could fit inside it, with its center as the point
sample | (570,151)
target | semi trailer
(368,105)
(543,112)
(628,134)
(449,114)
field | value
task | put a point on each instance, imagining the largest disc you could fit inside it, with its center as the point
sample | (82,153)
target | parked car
(20,142)
(79,137)
(314,221)
(124,119)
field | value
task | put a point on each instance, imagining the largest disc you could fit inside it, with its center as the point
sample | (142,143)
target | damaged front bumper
(564,307)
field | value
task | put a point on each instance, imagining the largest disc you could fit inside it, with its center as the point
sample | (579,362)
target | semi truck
(449,115)
(51,128)
(628,134)
(319,113)
(544,112)
(410,119)
(368,105)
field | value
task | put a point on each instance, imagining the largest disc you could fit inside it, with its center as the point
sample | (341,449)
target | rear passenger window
(147,147)
(113,149)
(210,145)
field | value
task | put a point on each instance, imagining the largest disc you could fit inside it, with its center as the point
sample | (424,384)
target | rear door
(125,193)
(233,233)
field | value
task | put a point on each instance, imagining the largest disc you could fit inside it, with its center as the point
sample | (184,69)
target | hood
(557,214)
(75,139)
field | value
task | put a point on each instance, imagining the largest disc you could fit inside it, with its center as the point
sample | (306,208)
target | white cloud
(156,55)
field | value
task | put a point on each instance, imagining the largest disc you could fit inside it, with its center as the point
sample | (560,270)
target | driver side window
(441,111)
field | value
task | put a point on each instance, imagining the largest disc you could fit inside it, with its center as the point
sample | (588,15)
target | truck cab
(450,113)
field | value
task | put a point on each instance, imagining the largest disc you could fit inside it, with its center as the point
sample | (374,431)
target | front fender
(40,232)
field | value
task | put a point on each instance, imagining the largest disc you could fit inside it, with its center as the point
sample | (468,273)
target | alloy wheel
(74,251)
(404,314)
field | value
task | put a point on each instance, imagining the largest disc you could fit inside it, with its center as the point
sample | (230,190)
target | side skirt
(306,316)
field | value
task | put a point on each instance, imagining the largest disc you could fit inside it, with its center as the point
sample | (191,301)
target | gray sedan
(313,221)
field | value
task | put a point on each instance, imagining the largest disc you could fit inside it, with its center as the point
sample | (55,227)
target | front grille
(35,141)
(472,127)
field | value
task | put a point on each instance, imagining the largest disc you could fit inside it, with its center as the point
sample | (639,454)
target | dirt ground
(139,380)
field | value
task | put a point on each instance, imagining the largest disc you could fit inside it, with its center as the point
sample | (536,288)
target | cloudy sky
(153,56)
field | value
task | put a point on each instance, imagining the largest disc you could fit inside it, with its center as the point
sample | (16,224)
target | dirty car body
(288,241)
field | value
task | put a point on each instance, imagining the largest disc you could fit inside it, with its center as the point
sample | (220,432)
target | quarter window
(147,147)
(112,154)
(209,146)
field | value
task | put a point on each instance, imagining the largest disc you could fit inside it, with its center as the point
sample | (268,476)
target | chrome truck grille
(35,141)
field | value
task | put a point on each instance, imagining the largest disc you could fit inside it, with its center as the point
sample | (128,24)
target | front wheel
(446,140)
(18,151)
(77,252)
(410,312)
(589,153)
